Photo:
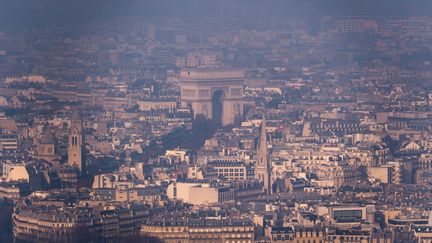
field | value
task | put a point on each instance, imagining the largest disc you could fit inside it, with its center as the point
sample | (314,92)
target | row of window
(230,175)
(230,170)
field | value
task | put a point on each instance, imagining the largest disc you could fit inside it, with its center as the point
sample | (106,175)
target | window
(74,141)
(347,215)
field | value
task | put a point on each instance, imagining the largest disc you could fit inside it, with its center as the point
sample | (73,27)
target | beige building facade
(199,194)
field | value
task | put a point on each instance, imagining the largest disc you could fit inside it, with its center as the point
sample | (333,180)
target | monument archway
(216,94)
(218,98)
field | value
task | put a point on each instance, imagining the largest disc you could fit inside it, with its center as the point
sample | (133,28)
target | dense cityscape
(238,124)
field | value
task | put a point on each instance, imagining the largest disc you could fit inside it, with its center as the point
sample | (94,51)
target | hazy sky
(18,13)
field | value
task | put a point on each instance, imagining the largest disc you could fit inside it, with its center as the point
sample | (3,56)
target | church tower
(263,166)
(76,147)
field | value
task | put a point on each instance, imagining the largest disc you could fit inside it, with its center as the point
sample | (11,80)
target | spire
(76,116)
(263,131)
(263,167)
(263,147)
(76,120)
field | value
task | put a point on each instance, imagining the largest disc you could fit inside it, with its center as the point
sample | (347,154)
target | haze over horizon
(33,13)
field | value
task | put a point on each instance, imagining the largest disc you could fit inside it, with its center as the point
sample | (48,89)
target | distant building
(8,142)
(200,230)
(149,104)
(348,215)
(232,170)
(349,235)
(200,59)
(15,171)
(422,233)
(14,190)
(199,193)
(348,24)
(147,195)
(42,223)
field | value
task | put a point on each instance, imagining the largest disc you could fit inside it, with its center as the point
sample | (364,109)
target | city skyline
(216,121)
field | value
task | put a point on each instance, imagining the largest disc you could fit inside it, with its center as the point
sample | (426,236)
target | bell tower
(76,147)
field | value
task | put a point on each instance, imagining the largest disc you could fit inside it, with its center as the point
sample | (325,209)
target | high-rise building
(263,167)
(76,146)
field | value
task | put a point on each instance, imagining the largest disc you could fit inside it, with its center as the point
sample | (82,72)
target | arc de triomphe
(214,93)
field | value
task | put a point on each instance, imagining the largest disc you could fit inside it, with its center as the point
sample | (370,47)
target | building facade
(200,230)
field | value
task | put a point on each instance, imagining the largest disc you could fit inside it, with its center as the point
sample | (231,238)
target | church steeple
(76,147)
(263,165)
